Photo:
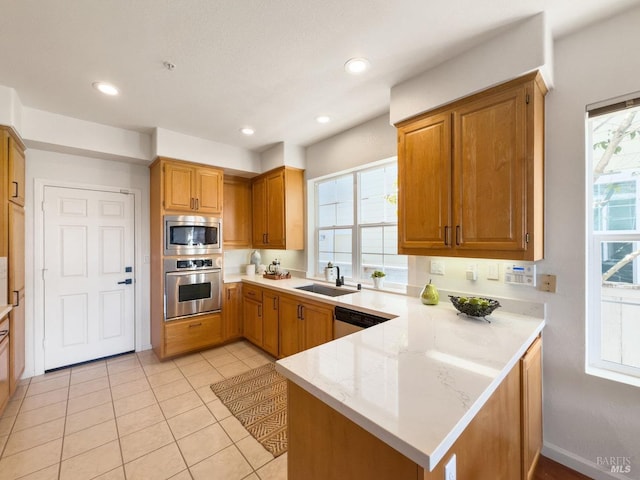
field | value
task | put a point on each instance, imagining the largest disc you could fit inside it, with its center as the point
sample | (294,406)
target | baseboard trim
(578,463)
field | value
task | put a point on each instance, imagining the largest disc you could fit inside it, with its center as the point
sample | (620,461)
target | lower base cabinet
(4,364)
(303,325)
(531,368)
(194,333)
(488,449)
(232,310)
(270,322)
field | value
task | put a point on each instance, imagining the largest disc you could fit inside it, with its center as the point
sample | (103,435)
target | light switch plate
(437,267)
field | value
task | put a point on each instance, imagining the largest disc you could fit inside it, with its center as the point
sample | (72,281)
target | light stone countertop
(4,310)
(416,381)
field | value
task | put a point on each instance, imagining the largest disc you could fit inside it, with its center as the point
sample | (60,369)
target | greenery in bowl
(378,274)
(474,306)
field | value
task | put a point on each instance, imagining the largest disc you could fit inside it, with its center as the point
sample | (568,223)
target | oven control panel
(180,264)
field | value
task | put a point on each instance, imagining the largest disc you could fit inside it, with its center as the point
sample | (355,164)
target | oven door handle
(192,272)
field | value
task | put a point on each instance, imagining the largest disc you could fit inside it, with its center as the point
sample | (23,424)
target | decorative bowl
(480,308)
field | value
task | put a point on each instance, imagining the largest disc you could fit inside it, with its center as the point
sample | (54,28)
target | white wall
(185,147)
(82,170)
(523,48)
(586,416)
(10,108)
(365,143)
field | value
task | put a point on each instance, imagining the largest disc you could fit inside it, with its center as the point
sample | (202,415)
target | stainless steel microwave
(192,235)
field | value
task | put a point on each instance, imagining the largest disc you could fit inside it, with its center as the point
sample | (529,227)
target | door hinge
(526,238)
(42,206)
(124,191)
(527,99)
(43,273)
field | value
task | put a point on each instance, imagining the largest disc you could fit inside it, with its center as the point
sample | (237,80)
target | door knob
(128,281)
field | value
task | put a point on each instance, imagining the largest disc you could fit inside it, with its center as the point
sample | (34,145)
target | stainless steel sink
(326,290)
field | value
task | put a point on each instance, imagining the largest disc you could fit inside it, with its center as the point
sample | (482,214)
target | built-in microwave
(192,235)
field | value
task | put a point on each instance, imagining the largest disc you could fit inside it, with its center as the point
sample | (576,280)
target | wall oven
(192,286)
(192,235)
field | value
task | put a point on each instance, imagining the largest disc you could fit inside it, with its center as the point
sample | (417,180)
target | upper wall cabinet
(471,176)
(192,188)
(278,209)
(237,212)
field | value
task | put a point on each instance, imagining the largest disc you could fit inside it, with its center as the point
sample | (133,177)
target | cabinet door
(317,323)
(290,324)
(209,190)
(489,201)
(4,371)
(232,310)
(270,322)
(179,187)
(252,325)
(259,203)
(236,229)
(16,173)
(531,365)
(16,251)
(424,172)
(16,342)
(276,237)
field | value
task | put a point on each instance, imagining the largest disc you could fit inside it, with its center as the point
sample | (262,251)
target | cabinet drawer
(192,334)
(254,293)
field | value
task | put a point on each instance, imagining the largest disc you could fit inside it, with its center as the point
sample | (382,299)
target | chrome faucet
(339,279)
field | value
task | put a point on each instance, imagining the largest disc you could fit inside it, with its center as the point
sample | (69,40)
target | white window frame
(594,363)
(356,228)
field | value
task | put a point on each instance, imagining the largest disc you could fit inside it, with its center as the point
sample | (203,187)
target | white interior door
(88,254)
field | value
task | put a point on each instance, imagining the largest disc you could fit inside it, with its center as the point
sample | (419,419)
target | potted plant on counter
(378,278)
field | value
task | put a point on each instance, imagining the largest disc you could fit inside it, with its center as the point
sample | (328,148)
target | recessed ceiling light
(247,131)
(105,88)
(356,65)
(323,119)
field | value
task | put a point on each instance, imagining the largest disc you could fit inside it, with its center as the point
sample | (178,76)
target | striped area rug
(258,398)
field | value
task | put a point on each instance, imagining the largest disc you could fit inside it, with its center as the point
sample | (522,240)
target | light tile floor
(134,417)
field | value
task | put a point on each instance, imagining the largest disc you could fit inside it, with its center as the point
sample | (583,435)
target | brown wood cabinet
(193,333)
(270,322)
(178,187)
(232,310)
(531,366)
(488,449)
(236,228)
(252,325)
(4,364)
(12,245)
(278,209)
(471,176)
(192,188)
(303,324)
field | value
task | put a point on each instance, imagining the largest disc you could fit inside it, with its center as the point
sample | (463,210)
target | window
(613,243)
(357,225)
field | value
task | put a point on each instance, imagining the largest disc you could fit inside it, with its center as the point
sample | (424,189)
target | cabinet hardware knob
(197,204)
(446,234)
(17,189)
(458,234)
(259,311)
(192,325)
(17,296)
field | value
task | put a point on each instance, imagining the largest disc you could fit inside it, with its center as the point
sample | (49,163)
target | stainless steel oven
(192,235)
(192,286)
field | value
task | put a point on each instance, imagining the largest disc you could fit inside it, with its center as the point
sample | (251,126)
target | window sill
(612,375)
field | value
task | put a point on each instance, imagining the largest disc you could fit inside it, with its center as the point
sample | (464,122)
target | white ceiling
(274,65)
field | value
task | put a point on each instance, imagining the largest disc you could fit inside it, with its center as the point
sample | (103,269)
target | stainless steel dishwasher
(348,321)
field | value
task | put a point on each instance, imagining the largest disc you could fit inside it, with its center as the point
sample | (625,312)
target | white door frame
(38,261)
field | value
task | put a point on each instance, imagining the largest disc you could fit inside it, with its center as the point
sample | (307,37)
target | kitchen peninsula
(399,399)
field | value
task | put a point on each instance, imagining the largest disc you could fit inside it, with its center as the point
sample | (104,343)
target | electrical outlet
(548,283)
(437,267)
(450,468)
(472,272)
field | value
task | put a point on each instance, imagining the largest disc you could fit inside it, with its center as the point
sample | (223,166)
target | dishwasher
(349,321)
